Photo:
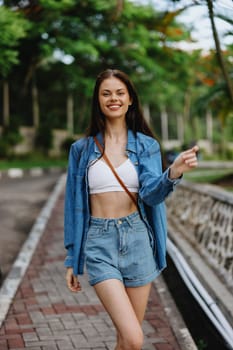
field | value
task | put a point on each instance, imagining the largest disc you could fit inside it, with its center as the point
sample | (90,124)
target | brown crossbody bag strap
(114,172)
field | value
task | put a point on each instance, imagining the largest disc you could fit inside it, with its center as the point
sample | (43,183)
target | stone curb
(16,274)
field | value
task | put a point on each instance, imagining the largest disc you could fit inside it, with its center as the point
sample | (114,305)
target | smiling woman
(119,230)
(114,98)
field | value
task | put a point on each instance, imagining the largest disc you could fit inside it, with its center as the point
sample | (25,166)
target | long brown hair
(134,116)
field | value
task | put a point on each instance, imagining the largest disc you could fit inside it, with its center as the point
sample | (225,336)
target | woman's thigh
(138,297)
(118,304)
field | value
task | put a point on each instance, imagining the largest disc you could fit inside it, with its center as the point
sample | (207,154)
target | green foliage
(217,99)
(57,5)
(70,42)
(13,28)
(4,148)
(10,137)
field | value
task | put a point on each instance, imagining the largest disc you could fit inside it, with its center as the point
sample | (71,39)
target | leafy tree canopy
(13,28)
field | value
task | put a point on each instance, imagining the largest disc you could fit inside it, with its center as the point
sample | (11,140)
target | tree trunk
(180,128)
(119,9)
(209,126)
(218,50)
(70,114)
(146,112)
(35,106)
(187,104)
(164,124)
(6,104)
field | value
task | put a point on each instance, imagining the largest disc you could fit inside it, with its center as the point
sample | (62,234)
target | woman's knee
(132,341)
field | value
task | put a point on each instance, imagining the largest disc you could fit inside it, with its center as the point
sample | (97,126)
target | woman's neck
(116,132)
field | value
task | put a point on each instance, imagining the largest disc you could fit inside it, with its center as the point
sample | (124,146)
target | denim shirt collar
(131,142)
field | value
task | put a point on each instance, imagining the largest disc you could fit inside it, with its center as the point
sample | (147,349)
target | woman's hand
(186,161)
(72,281)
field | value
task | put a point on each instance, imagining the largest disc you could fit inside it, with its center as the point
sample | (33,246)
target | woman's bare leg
(139,298)
(126,307)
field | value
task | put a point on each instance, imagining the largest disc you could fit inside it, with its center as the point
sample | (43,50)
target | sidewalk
(44,315)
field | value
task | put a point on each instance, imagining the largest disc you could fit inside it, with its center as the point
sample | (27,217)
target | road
(21,200)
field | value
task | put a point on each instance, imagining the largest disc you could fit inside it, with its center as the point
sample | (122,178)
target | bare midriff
(112,204)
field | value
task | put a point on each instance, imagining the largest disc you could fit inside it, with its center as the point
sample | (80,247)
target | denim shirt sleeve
(70,207)
(155,184)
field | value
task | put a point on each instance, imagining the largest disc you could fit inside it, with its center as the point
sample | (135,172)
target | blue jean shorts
(121,249)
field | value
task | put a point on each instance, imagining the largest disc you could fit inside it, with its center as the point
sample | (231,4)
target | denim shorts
(121,249)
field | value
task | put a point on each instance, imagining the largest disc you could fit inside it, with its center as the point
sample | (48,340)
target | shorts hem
(127,283)
(104,278)
(141,282)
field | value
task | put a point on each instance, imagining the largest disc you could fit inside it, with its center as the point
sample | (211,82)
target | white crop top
(101,179)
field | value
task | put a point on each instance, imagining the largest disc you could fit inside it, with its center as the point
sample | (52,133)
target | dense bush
(10,137)
(65,146)
(44,138)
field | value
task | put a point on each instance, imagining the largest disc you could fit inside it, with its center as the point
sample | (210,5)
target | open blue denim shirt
(154,186)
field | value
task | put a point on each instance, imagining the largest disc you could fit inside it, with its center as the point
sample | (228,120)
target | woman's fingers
(190,156)
(190,159)
(184,162)
(191,163)
(195,149)
(76,283)
(191,152)
(72,281)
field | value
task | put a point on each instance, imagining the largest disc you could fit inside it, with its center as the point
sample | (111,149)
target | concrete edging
(16,173)
(19,267)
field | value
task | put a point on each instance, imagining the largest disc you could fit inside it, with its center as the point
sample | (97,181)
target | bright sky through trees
(197,18)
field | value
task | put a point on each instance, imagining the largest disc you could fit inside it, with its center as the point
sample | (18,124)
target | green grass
(33,162)
(207,175)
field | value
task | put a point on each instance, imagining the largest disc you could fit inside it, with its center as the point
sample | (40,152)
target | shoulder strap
(114,172)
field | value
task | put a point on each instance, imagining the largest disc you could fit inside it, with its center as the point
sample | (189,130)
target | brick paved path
(46,316)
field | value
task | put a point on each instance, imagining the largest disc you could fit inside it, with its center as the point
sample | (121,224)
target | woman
(122,241)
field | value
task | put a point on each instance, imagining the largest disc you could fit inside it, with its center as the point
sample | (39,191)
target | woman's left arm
(155,186)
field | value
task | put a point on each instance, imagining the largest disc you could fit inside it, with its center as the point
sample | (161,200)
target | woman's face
(114,98)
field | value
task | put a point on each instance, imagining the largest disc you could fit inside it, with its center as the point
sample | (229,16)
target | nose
(113,97)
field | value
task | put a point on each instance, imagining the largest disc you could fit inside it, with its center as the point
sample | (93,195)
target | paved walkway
(44,315)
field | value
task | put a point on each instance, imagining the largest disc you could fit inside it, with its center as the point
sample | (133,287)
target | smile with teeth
(114,107)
